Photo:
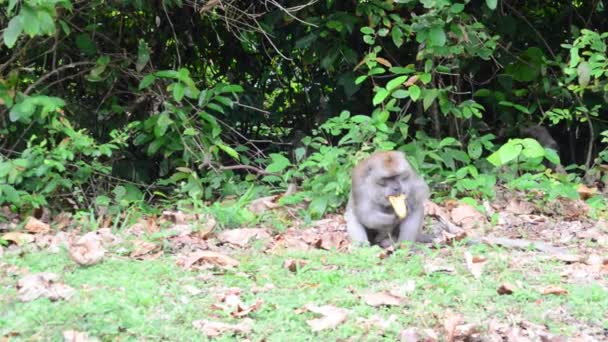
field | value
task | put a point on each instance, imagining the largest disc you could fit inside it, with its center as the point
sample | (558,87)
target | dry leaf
(408,335)
(241,237)
(467,216)
(384,62)
(586,192)
(261,205)
(209,258)
(88,250)
(145,250)
(411,81)
(332,240)
(475,264)
(567,258)
(77,336)
(450,323)
(382,298)
(377,321)
(519,207)
(505,289)
(294,264)
(265,288)
(18,238)
(332,316)
(43,284)
(214,329)
(35,226)
(554,290)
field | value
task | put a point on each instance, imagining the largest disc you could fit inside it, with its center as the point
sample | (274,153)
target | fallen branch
(519,244)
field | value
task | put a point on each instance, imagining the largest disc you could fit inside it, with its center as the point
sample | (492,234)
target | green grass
(148,300)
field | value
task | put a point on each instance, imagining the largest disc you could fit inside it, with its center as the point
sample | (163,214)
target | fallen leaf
(265,288)
(208,258)
(467,216)
(260,205)
(332,241)
(176,217)
(382,298)
(586,192)
(18,238)
(450,323)
(241,237)
(567,258)
(332,316)
(408,335)
(88,250)
(35,226)
(475,264)
(145,250)
(77,336)
(214,329)
(554,290)
(505,289)
(377,321)
(520,207)
(294,264)
(243,310)
(43,284)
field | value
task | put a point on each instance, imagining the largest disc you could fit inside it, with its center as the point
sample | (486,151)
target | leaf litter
(202,247)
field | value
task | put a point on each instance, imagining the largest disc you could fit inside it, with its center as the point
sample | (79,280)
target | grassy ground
(126,299)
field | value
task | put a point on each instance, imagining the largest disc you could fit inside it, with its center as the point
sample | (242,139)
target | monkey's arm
(355,229)
(410,227)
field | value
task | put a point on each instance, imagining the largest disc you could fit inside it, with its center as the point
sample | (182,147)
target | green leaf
(318,205)
(179,90)
(162,124)
(449,141)
(360,79)
(380,96)
(278,164)
(437,36)
(474,149)
(532,148)
(396,83)
(215,107)
(229,150)
(367,30)
(429,96)
(12,32)
(231,88)
(29,20)
(146,81)
(85,44)
(400,94)
(47,24)
(143,55)
(584,74)
(224,100)
(457,8)
(506,153)
(369,40)
(397,36)
(491,4)
(552,156)
(425,78)
(414,91)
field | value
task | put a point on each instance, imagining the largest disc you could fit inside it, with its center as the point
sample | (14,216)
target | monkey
(386,201)
(544,137)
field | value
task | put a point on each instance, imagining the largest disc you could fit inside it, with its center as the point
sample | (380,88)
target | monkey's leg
(355,229)
(410,227)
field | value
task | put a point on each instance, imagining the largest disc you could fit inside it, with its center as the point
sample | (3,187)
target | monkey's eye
(382,182)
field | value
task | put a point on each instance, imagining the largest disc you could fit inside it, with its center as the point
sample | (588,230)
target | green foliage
(115,103)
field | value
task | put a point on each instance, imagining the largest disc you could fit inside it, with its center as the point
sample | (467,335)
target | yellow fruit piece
(399,205)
